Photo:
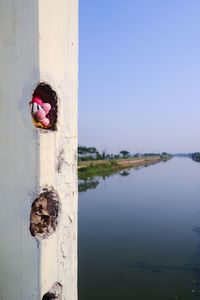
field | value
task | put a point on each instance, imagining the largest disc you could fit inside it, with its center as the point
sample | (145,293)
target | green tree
(125,153)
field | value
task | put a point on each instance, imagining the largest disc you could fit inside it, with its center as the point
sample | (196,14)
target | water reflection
(85,185)
(138,234)
(145,266)
(93,181)
(124,173)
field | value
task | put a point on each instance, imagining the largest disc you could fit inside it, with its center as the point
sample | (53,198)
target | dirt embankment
(120,162)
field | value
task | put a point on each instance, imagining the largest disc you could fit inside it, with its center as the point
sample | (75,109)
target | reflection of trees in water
(85,185)
(124,173)
(92,182)
(121,173)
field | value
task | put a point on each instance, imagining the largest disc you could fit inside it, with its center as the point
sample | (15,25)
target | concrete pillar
(38,42)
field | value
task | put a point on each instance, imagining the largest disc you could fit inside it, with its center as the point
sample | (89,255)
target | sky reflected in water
(139,234)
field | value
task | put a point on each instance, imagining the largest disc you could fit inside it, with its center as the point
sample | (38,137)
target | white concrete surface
(38,41)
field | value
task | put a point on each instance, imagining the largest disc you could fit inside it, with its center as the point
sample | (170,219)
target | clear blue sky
(139,75)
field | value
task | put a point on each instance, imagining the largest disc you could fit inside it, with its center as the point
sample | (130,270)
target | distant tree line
(91,153)
(196,156)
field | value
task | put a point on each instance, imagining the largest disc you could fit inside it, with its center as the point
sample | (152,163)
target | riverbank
(89,169)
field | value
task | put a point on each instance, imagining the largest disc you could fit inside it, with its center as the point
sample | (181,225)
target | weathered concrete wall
(38,41)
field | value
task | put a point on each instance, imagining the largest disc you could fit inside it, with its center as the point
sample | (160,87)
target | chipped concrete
(47,94)
(44,214)
(58,66)
(55,293)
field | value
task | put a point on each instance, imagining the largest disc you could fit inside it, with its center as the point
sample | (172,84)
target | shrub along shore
(88,169)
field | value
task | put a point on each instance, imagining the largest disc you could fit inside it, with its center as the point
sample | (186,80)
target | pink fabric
(46,107)
(37,100)
(43,110)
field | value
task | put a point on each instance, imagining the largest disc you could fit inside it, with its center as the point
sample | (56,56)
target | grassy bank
(89,169)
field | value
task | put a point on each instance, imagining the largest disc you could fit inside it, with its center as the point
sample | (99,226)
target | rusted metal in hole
(44,107)
(55,293)
(44,214)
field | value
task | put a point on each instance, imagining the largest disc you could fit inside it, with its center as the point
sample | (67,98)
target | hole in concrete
(44,214)
(54,293)
(44,107)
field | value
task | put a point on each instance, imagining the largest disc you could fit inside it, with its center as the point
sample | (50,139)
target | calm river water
(139,234)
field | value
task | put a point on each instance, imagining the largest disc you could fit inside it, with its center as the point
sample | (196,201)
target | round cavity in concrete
(44,214)
(44,107)
(55,293)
